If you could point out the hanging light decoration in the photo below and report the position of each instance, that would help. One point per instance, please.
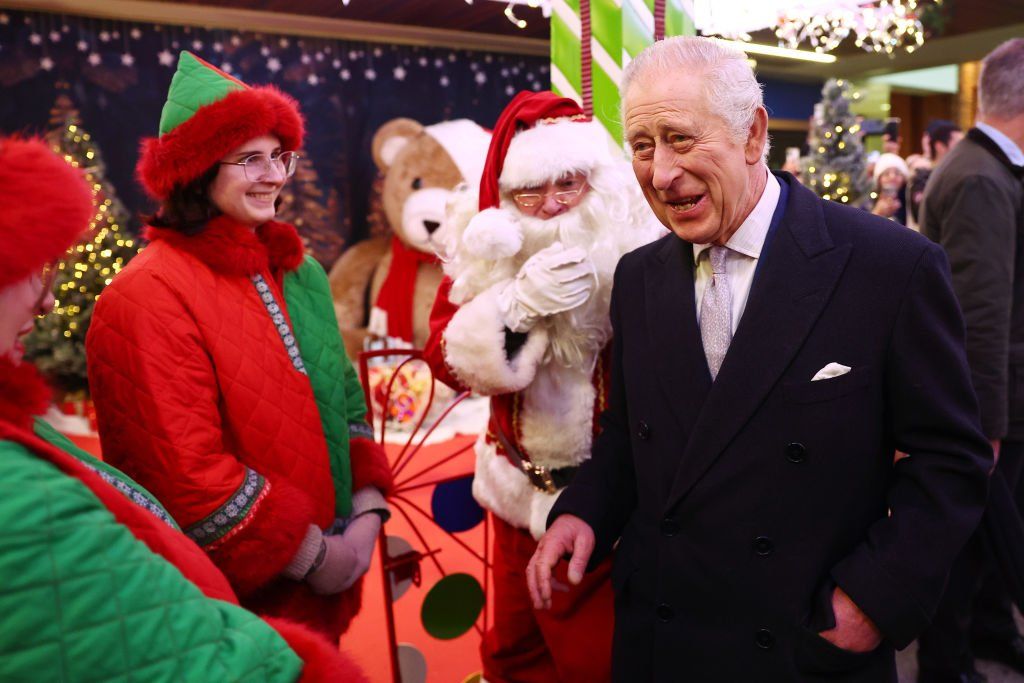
(885, 26)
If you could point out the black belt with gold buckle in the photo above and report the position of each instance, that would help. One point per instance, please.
(542, 478)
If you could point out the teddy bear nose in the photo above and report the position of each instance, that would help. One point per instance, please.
(431, 226)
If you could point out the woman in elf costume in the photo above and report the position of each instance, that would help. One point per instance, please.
(219, 377)
(98, 581)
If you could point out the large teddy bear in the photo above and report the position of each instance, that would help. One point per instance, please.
(385, 286)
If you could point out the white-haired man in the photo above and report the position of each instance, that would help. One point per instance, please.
(522, 316)
(974, 208)
(769, 358)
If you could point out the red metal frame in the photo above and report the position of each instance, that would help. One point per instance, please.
(400, 503)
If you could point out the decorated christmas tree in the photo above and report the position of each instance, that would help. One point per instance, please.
(834, 167)
(57, 345)
(304, 206)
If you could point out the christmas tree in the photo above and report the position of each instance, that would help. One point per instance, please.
(57, 345)
(303, 205)
(834, 168)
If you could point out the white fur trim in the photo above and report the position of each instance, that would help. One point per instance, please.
(475, 348)
(504, 490)
(557, 415)
(493, 234)
(466, 143)
(548, 151)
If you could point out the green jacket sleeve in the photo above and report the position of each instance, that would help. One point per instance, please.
(85, 600)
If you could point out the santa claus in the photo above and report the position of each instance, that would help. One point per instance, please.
(522, 316)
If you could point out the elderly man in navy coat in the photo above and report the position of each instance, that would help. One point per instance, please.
(770, 358)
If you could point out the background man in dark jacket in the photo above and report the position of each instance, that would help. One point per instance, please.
(974, 207)
(769, 358)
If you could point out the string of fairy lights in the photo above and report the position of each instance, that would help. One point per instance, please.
(96, 254)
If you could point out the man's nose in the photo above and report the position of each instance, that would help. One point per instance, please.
(665, 169)
(551, 207)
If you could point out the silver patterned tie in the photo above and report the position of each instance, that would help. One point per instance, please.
(716, 312)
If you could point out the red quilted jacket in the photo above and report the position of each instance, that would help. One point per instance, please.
(199, 399)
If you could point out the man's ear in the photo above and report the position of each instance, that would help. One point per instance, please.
(390, 138)
(757, 137)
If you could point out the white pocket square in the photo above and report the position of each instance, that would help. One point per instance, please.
(831, 370)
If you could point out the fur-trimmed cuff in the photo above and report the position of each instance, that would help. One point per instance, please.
(475, 348)
(264, 547)
(370, 466)
(321, 660)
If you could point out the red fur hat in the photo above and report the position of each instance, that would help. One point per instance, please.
(45, 206)
(209, 113)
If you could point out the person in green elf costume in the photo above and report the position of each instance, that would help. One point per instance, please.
(99, 582)
(216, 366)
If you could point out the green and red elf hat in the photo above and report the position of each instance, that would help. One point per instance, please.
(208, 113)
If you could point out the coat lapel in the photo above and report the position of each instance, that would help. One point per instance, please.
(672, 327)
(795, 281)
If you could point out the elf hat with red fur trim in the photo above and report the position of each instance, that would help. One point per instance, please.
(208, 113)
(46, 206)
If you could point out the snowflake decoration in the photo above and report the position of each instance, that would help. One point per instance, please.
(46, 64)
(481, 77)
(536, 85)
(236, 41)
(226, 67)
(529, 76)
(438, 63)
(82, 46)
(166, 57)
(175, 44)
(444, 81)
(135, 34)
(54, 36)
(265, 51)
(197, 44)
(488, 59)
(218, 47)
(451, 56)
(370, 75)
(273, 65)
(319, 56)
(543, 68)
(306, 59)
(510, 90)
(4, 19)
(283, 42)
(399, 73)
(65, 29)
(95, 59)
(35, 39)
(515, 71)
(377, 52)
(345, 75)
(504, 73)
(336, 63)
(313, 79)
(352, 54)
(423, 61)
(127, 59)
(115, 35)
(474, 66)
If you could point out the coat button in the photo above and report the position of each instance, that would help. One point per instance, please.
(664, 613)
(796, 453)
(764, 639)
(763, 546)
(669, 527)
(643, 431)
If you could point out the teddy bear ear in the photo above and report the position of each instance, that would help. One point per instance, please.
(390, 138)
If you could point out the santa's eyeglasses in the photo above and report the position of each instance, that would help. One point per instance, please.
(528, 200)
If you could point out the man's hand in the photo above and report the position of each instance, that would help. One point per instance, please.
(569, 534)
(886, 206)
(853, 631)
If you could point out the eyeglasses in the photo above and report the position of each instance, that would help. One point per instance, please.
(528, 200)
(258, 166)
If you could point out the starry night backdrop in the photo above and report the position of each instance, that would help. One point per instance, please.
(117, 74)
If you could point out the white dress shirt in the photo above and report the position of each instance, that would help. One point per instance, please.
(1009, 147)
(744, 252)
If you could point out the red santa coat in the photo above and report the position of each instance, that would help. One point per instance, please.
(199, 401)
(546, 410)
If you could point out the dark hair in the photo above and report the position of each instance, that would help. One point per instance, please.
(188, 208)
(892, 130)
(941, 132)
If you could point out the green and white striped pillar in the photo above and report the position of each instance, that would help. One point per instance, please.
(592, 40)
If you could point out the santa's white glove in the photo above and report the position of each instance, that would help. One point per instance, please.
(553, 280)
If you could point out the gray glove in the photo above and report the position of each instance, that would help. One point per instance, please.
(345, 557)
